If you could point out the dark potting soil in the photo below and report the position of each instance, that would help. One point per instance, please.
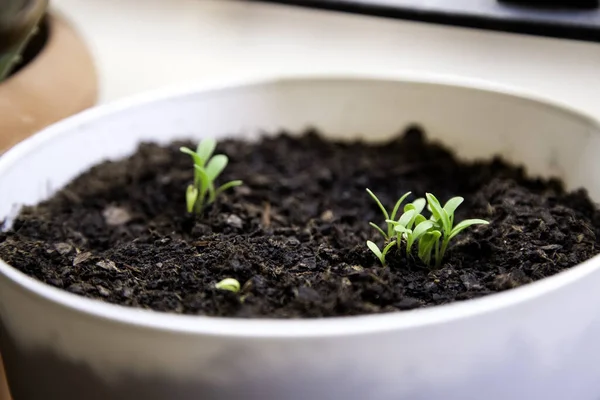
(294, 234)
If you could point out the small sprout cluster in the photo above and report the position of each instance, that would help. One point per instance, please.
(206, 169)
(432, 234)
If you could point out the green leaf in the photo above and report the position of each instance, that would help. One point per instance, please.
(215, 166)
(191, 195)
(203, 178)
(187, 150)
(426, 244)
(424, 249)
(401, 229)
(373, 247)
(439, 213)
(437, 224)
(383, 210)
(434, 205)
(387, 248)
(402, 233)
(419, 204)
(451, 206)
(419, 218)
(212, 194)
(398, 204)
(229, 284)
(419, 231)
(379, 230)
(407, 217)
(194, 156)
(228, 185)
(414, 216)
(465, 224)
(205, 186)
(422, 229)
(435, 237)
(205, 149)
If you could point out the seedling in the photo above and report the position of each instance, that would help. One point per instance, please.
(229, 284)
(380, 253)
(433, 235)
(413, 235)
(206, 169)
(428, 242)
(387, 216)
(443, 227)
(411, 217)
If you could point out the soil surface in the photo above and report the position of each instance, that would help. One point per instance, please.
(294, 234)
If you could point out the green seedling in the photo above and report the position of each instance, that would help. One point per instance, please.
(380, 253)
(433, 235)
(411, 218)
(443, 228)
(206, 169)
(387, 216)
(411, 236)
(229, 284)
(427, 243)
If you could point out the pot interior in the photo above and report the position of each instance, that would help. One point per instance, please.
(548, 140)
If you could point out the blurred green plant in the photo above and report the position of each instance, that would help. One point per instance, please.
(207, 167)
(19, 21)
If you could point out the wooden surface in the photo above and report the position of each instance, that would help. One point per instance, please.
(59, 82)
(4, 395)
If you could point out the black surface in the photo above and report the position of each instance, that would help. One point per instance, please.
(580, 20)
(582, 4)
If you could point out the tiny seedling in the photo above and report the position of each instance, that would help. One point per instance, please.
(206, 169)
(387, 216)
(229, 284)
(380, 253)
(443, 227)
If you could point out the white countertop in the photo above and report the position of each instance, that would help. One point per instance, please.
(145, 45)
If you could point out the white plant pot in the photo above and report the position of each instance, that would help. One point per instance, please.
(539, 341)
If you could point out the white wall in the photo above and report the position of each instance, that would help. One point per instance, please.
(146, 44)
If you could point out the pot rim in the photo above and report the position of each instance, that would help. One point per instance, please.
(284, 328)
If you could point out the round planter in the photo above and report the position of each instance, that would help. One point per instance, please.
(58, 82)
(535, 342)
